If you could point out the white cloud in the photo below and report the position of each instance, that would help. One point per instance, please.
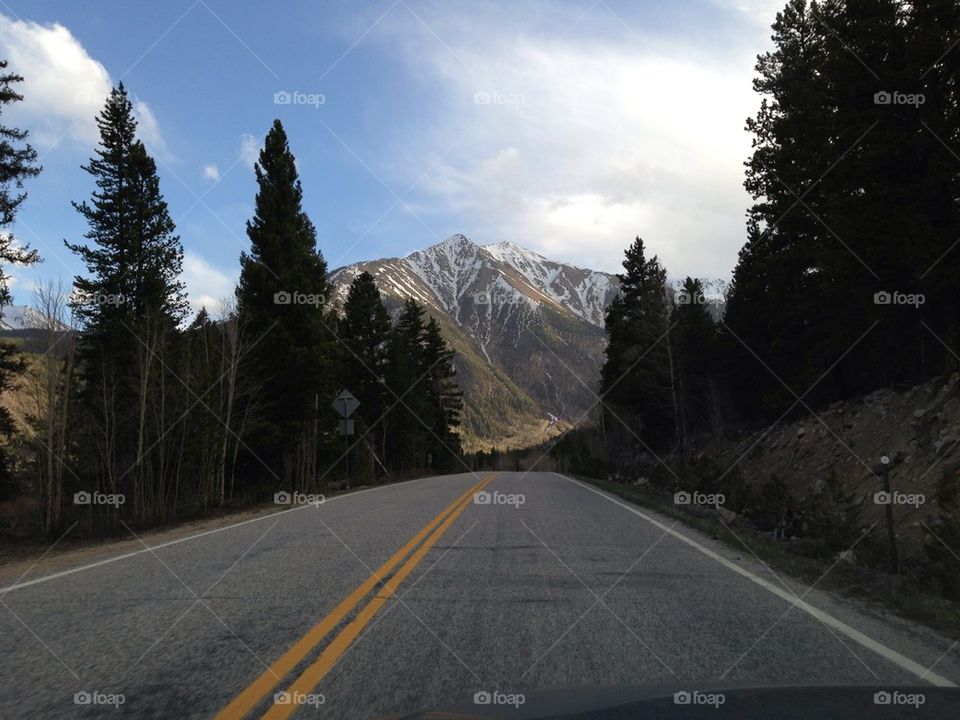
(148, 130)
(593, 141)
(249, 149)
(211, 172)
(763, 12)
(64, 87)
(206, 285)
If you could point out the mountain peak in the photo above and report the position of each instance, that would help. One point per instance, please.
(455, 243)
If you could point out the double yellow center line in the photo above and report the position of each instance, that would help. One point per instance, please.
(270, 678)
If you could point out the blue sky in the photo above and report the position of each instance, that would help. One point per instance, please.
(567, 126)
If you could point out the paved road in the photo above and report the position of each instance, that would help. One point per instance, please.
(571, 588)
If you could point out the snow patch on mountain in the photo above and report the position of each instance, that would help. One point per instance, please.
(24, 317)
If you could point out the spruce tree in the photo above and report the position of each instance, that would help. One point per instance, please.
(694, 339)
(281, 303)
(444, 398)
(635, 378)
(17, 163)
(364, 330)
(129, 306)
(406, 433)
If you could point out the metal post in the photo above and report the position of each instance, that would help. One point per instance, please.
(346, 441)
(891, 534)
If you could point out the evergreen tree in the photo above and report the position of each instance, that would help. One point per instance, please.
(444, 398)
(281, 302)
(792, 146)
(635, 379)
(694, 337)
(364, 330)
(407, 421)
(17, 163)
(129, 306)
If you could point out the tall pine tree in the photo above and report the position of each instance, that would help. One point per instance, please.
(444, 398)
(129, 307)
(364, 330)
(281, 303)
(17, 163)
(635, 379)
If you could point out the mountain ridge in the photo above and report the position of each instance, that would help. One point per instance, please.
(528, 330)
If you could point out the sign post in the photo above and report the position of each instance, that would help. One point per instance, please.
(888, 511)
(346, 404)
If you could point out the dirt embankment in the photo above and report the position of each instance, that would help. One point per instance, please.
(839, 450)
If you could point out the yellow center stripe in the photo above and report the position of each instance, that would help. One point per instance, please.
(328, 658)
(272, 676)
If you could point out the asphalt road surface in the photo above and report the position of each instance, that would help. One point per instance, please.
(415, 596)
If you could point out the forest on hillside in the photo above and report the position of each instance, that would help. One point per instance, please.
(144, 415)
(848, 279)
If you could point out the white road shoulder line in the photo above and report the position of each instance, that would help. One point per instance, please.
(205, 533)
(887, 653)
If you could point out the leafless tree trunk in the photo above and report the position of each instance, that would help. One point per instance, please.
(51, 380)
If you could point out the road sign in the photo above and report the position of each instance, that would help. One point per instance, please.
(345, 404)
(346, 427)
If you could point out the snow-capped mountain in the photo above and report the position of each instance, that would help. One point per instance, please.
(23, 317)
(528, 331)
(447, 274)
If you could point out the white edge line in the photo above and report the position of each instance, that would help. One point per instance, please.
(205, 533)
(888, 654)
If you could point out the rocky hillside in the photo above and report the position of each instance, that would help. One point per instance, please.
(836, 457)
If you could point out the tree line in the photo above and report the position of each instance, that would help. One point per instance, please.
(847, 281)
(141, 414)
